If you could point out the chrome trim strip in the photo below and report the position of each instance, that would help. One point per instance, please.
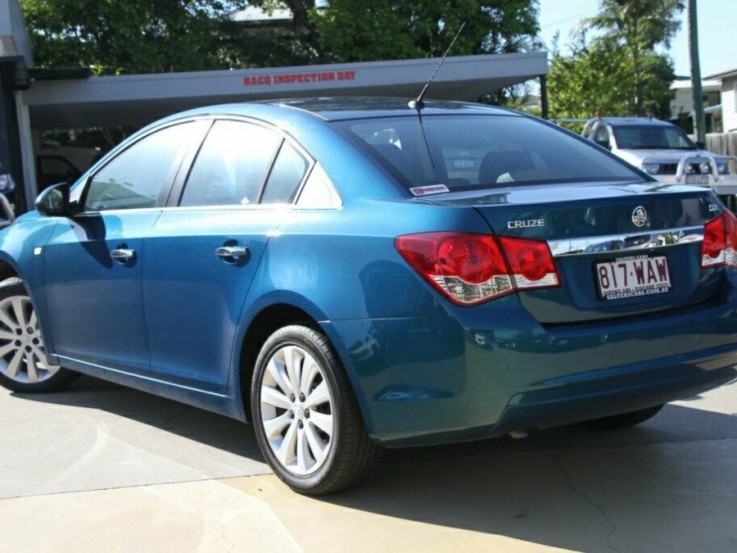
(626, 242)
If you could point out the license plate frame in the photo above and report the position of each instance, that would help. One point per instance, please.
(632, 277)
(697, 179)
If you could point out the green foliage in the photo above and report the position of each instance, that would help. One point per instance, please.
(149, 36)
(619, 72)
(272, 43)
(127, 36)
(638, 27)
(357, 30)
(580, 85)
(600, 78)
(638, 24)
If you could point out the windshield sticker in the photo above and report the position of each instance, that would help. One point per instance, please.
(427, 190)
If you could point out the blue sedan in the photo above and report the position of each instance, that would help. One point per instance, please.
(353, 274)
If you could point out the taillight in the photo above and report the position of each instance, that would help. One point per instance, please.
(531, 262)
(472, 268)
(720, 242)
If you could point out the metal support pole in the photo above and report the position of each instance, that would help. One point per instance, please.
(544, 95)
(698, 95)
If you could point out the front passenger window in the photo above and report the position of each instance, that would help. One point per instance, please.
(136, 176)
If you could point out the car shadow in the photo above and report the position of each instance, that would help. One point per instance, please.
(569, 487)
(675, 423)
(580, 489)
(195, 424)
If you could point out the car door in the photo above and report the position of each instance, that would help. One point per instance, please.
(201, 255)
(92, 262)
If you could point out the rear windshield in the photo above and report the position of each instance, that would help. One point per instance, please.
(467, 152)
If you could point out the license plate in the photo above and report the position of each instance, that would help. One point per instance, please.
(697, 179)
(629, 277)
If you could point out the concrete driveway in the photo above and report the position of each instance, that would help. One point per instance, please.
(104, 469)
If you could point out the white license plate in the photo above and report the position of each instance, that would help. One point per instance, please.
(697, 179)
(629, 277)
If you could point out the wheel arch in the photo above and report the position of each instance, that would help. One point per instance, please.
(268, 320)
(7, 270)
(264, 324)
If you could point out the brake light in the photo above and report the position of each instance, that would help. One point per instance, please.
(472, 268)
(720, 242)
(531, 263)
(730, 229)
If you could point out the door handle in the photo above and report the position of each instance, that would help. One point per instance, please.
(231, 253)
(123, 255)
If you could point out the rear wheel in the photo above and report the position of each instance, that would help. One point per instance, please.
(306, 417)
(23, 363)
(625, 420)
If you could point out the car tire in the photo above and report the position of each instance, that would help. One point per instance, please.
(307, 421)
(23, 364)
(625, 420)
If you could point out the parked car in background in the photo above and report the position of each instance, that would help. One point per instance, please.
(56, 163)
(7, 187)
(664, 151)
(351, 274)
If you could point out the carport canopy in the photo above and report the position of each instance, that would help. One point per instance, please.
(134, 100)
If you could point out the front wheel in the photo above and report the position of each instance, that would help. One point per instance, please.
(23, 364)
(306, 417)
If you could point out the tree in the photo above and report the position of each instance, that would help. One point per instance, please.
(148, 36)
(599, 77)
(638, 27)
(356, 30)
(272, 42)
(131, 36)
(580, 86)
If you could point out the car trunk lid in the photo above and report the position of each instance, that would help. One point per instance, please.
(627, 249)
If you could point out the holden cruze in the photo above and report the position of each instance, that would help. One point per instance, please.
(352, 274)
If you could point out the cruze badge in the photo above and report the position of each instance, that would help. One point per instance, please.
(527, 223)
(639, 216)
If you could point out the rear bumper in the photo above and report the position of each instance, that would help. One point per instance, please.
(463, 374)
(617, 392)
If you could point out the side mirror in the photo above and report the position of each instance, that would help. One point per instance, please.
(54, 201)
(604, 144)
(700, 145)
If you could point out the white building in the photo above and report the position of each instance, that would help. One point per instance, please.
(728, 80)
(681, 107)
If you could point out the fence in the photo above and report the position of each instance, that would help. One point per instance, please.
(722, 143)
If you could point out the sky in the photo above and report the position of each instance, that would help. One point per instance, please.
(716, 19)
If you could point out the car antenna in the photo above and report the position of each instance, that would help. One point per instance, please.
(417, 103)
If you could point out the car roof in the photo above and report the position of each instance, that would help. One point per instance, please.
(344, 108)
(635, 121)
(333, 109)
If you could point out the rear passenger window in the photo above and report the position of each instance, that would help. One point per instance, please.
(286, 176)
(318, 192)
(231, 165)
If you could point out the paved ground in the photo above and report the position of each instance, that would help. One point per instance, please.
(106, 469)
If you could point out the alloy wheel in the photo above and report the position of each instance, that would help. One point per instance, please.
(297, 410)
(22, 354)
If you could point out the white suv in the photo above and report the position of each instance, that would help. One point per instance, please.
(664, 151)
